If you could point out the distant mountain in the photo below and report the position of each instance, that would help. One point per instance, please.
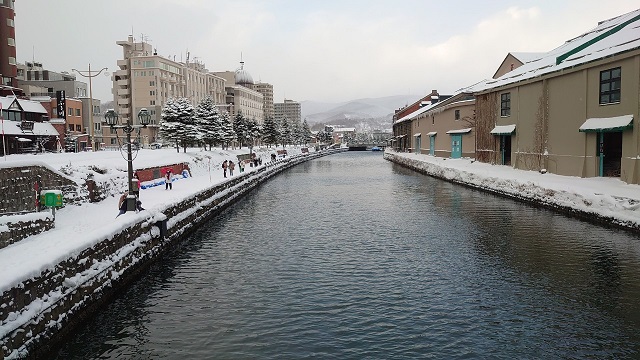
(363, 114)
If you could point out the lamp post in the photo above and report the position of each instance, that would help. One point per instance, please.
(144, 117)
(88, 74)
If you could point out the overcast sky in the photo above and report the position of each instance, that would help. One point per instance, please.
(321, 50)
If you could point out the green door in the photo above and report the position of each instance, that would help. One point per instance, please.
(456, 146)
(418, 142)
(432, 145)
(600, 154)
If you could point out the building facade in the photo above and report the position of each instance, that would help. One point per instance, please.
(573, 111)
(289, 109)
(35, 80)
(8, 64)
(266, 90)
(241, 97)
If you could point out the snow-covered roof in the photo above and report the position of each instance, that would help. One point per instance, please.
(39, 128)
(526, 57)
(344, 130)
(461, 131)
(503, 129)
(607, 124)
(415, 113)
(610, 37)
(26, 105)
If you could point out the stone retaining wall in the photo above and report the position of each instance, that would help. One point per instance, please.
(17, 187)
(37, 313)
(17, 227)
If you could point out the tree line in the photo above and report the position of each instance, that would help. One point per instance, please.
(205, 125)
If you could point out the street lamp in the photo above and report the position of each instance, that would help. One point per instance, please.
(91, 76)
(144, 117)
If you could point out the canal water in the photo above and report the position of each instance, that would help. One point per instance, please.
(353, 257)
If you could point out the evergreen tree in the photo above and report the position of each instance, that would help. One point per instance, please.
(178, 123)
(241, 129)
(306, 132)
(208, 122)
(296, 133)
(284, 132)
(226, 131)
(253, 132)
(270, 134)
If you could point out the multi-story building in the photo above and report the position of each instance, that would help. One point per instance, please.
(289, 109)
(147, 80)
(571, 111)
(35, 80)
(8, 69)
(241, 96)
(266, 90)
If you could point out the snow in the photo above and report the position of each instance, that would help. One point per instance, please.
(78, 227)
(503, 129)
(460, 131)
(595, 124)
(605, 197)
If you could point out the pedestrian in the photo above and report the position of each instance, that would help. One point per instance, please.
(232, 166)
(224, 168)
(273, 157)
(168, 180)
(254, 159)
(241, 166)
(137, 189)
(122, 204)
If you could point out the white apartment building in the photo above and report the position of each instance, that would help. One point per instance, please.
(145, 79)
(289, 109)
(266, 90)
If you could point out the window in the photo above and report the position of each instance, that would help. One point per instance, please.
(152, 92)
(113, 141)
(12, 60)
(10, 23)
(70, 127)
(70, 112)
(505, 104)
(77, 112)
(152, 83)
(610, 81)
(11, 42)
(457, 115)
(78, 128)
(152, 102)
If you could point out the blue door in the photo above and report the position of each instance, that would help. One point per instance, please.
(456, 146)
(432, 145)
(418, 144)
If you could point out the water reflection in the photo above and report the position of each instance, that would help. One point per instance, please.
(353, 257)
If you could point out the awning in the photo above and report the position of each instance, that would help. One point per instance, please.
(461, 131)
(433, 133)
(417, 134)
(503, 130)
(617, 123)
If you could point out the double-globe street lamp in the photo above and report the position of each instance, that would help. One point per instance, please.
(144, 117)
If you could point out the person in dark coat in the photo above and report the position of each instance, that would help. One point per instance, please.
(224, 168)
(232, 166)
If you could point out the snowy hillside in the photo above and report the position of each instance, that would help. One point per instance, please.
(360, 110)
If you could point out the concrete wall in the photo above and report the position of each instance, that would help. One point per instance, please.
(41, 310)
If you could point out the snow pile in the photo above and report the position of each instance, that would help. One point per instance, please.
(607, 198)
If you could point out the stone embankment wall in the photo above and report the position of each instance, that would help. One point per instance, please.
(17, 187)
(17, 227)
(442, 173)
(38, 312)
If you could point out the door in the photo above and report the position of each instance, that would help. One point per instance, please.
(609, 153)
(456, 146)
(432, 145)
(418, 142)
(505, 149)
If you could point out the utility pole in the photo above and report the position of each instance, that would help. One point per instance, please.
(88, 74)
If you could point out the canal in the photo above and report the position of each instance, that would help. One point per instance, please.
(352, 257)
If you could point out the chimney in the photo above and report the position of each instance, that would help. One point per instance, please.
(434, 96)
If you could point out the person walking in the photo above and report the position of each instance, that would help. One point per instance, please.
(232, 166)
(168, 180)
(224, 168)
(241, 166)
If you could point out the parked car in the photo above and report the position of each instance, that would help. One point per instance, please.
(155, 145)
